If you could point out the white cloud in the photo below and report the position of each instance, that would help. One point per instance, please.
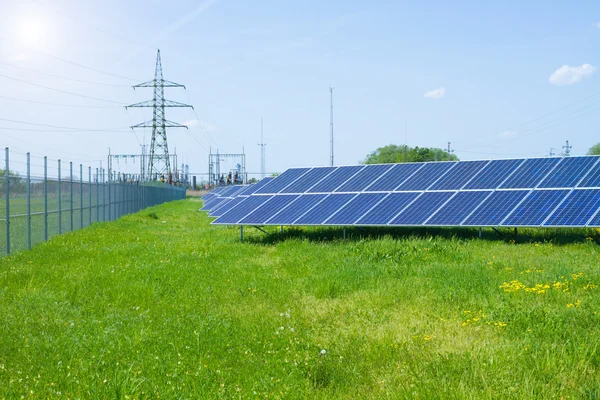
(597, 25)
(567, 75)
(435, 93)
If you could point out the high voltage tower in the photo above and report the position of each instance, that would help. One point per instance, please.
(159, 164)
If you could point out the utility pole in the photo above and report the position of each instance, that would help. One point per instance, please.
(567, 149)
(331, 125)
(158, 161)
(262, 145)
(449, 151)
(552, 154)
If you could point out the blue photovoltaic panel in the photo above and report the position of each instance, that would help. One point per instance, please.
(231, 191)
(530, 173)
(493, 174)
(595, 222)
(253, 188)
(426, 176)
(459, 175)
(458, 208)
(275, 185)
(569, 172)
(308, 180)
(318, 214)
(577, 209)
(394, 177)
(495, 208)
(535, 208)
(355, 209)
(289, 214)
(383, 212)
(209, 204)
(364, 178)
(335, 179)
(272, 207)
(421, 208)
(225, 206)
(593, 178)
(244, 208)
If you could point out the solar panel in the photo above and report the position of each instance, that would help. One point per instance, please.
(364, 178)
(530, 173)
(456, 178)
(262, 214)
(495, 208)
(335, 179)
(427, 175)
(319, 213)
(308, 180)
(569, 172)
(458, 208)
(577, 209)
(520, 192)
(275, 185)
(394, 177)
(297, 208)
(355, 209)
(225, 206)
(421, 208)
(253, 188)
(245, 207)
(535, 208)
(387, 209)
(593, 177)
(493, 174)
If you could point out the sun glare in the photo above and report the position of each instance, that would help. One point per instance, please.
(32, 31)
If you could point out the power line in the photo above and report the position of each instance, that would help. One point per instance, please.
(62, 77)
(63, 127)
(60, 90)
(74, 63)
(54, 104)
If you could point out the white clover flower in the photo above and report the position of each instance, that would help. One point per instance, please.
(323, 352)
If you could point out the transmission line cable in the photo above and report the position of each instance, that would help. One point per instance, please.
(54, 104)
(62, 77)
(74, 63)
(62, 127)
(60, 90)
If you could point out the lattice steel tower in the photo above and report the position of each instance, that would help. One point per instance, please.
(158, 159)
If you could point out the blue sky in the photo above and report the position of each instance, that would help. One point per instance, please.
(498, 80)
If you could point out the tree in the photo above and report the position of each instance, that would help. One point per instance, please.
(392, 154)
(594, 150)
(17, 185)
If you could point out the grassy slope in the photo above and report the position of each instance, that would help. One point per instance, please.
(172, 307)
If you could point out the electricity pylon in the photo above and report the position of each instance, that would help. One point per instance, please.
(158, 160)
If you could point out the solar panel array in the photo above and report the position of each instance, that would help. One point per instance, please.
(535, 192)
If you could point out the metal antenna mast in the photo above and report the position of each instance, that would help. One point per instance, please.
(331, 125)
(262, 145)
(449, 150)
(158, 160)
(567, 149)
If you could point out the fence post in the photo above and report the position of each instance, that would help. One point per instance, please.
(97, 196)
(59, 201)
(90, 192)
(103, 197)
(71, 193)
(45, 198)
(80, 196)
(109, 198)
(6, 194)
(28, 201)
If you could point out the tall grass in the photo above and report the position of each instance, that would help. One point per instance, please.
(161, 304)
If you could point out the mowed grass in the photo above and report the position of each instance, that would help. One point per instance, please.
(161, 304)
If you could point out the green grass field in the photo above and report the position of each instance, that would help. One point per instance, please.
(160, 304)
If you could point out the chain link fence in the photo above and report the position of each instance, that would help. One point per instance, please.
(42, 197)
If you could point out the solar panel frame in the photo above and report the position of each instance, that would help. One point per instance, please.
(500, 203)
(439, 217)
(302, 184)
(226, 207)
(390, 205)
(382, 184)
(282, 181)
(568, 173)
(365, 177)
(263, 213)
(592, 179)
(413, 214)
(498, 175)
(246, 206)
(315, 216)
